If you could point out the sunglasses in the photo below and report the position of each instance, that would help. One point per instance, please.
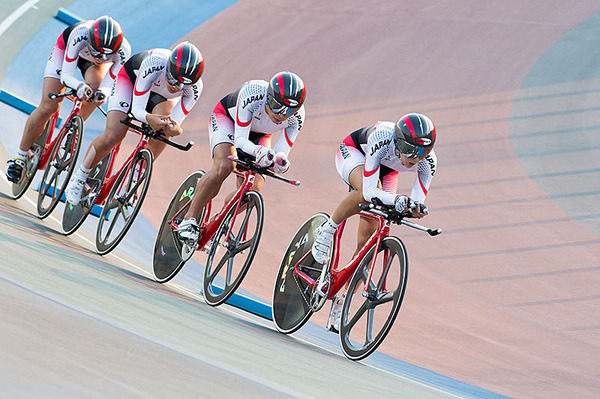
(278, 108)
(410, 150)
(175, 83)
(98, 54)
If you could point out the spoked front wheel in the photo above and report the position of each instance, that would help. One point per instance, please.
(292, 295)
(31, 164)
(233, 248)
(60, 167)
(124, 202)
(367, 316)
(170, 253)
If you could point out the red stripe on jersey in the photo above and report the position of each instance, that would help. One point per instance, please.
(371, 173)
(111, 74)
(406, 120)
(242, 124)
(71, 59)
(290, 142)
(422, 186)
(140, 93)
(185, 111)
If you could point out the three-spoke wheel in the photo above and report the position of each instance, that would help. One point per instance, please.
(124, 202)
(233, 248)
(368, 314)
(60, 167)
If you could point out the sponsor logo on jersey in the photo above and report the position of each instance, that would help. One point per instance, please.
(79, 39)
(124, 104)
(196, 92)
(344, 151)
(429, 159)
(251, 99)
(213, 122)
(379, 145)
(152, 70)
(299, 119)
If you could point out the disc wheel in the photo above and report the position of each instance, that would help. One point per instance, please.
(367, 317)
(60, 167)
(292, 295)
(233, 248)
(124, 202)
(170, 253)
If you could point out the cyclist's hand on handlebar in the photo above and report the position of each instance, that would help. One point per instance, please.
(172, 128)
(402, 203)
(418, 210)
(84, 92)
(282, 164)
(99, 97)
(264, 156)
(157, 121)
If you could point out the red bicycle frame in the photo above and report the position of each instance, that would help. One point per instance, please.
(341, 276)
(209, 227)
(50, 143)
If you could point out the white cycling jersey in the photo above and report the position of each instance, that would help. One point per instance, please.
(241, 119)
(146, 73)
(373, 148)
(73, 45)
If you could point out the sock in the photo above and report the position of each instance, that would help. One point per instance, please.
(82, 173)
(21, 154)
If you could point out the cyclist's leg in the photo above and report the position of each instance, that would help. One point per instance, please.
(34, 127)
(93, 75)
(103, 144)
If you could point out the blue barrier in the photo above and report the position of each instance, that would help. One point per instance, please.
(67, 16)
(20, 103)
(96, 210)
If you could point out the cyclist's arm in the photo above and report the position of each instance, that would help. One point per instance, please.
(141, 90)
(287, 137)
(77, 40)
(243, 121)
(425, 172)
(376, 147)
(188, 99)
(118, 60)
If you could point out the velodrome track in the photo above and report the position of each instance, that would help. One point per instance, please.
(505, 300)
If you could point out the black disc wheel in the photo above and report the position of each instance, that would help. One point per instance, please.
(368, 314)
(60, 167)
(170, 252)
(292, 295)
(233, 248)
(124, 202)
(31, 164)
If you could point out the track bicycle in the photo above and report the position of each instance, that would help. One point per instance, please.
(377, 281)
(231, 237)
(55, 154)
(121, 192)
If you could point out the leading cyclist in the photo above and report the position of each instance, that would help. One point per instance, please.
(369, 160)
(99, 50)
(246, 119)
(159, 87)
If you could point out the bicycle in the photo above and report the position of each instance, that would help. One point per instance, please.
(380, 284)
(53, 153)
(236, 228)
(122, 191)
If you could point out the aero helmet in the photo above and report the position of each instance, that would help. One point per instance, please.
(415, 134)
(186, 65)
(286, 93)
(105, 37)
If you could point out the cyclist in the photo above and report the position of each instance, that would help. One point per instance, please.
(99, 50)
(246, 120)
(369, 161)
(159, 87)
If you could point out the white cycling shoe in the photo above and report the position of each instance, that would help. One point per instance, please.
(322, 245)
(74, 190)
(189, 230)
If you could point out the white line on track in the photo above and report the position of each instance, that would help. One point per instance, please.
(17, 14)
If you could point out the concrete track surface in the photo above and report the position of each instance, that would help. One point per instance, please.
(505, 299)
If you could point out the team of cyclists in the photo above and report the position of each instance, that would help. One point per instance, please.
(160, 87)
